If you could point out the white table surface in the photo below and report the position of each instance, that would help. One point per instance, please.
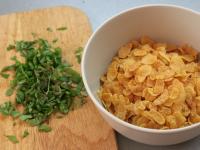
(98, 11)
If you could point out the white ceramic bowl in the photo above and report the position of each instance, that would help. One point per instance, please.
(165, 23)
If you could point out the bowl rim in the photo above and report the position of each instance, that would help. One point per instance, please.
(95, 101)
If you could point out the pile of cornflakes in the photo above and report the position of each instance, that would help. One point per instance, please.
(153, 85)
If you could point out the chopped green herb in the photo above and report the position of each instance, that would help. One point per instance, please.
(55, 40)
(9, 91)
(78, 54)
(34, 122)
(49, 29)
(25, 117)
(61, 28)
(43, 83)
(25, 134)
(15, 113)
(12, 138)
(9, 68)
(7, 108)
(5, 75)
(44, 128)
(10, 47)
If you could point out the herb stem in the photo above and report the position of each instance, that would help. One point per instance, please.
(48, 84)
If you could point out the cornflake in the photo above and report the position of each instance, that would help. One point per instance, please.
(153, 85)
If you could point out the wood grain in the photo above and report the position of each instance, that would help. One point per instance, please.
(81, 129)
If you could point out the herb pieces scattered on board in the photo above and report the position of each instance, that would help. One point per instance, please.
(43, 82)
(25, 134)
(55, 40)
(44, 128)
(61, 28)
(78, 54)
(12, 138)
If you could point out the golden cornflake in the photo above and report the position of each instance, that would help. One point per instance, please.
(153, 85)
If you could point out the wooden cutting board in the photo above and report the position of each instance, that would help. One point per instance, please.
(81, 129)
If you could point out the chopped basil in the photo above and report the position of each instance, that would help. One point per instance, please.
(55, 40)
(25, 134)
(5, 75)
(25, 117)
(12, 138)
(9, 91)
(44, 128)
(7, 108)
(15, 113)
(10, 47)
(61, 28)
(78, 54)
(44, 84)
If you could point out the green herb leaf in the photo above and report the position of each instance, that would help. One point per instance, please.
(5, 75)
(9, 92)
(34, 122)
(25, 134)
(10, 47)
(49, 29)
(75, 76)
(8, 68)
(7, 108)
(15, 113)
(12, 138)
(78, 54)
(44, 128)
(25, 117)
(54, 40)
(61, 28)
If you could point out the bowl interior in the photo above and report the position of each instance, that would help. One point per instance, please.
(162, 23)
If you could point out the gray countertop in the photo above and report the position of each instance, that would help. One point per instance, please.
(98, 11)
